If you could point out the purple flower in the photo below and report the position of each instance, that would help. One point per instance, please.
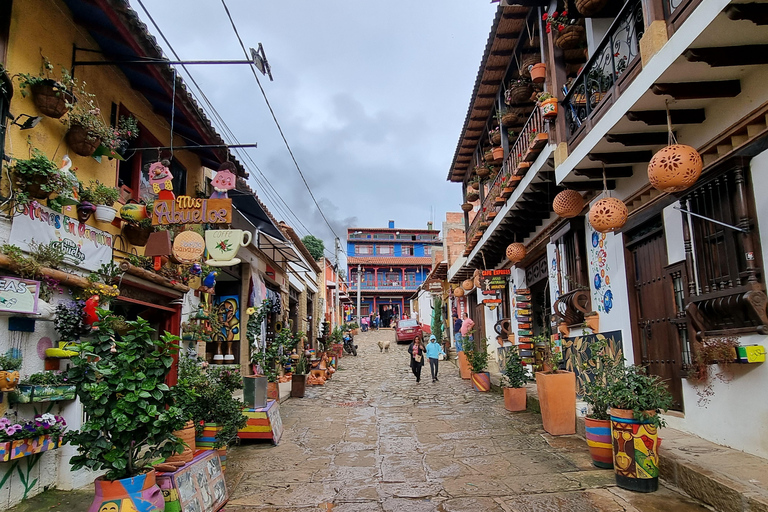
(4, 422)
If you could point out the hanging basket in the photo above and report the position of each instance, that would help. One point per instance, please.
(530, 60)
(520, 93)
(495, 138)
(549, 108)
(516, 252)
(467, 285)
(674, 168)
(483, 171)
(608, 214)
(51, 98)
(475, 185)
(571, 37)
(137, 235)
(80, 141)
(588, 8)
(568, 204)
(510, 119)
(538, 73)
(458, 291)
(34, 188)
(467, 207)
(472, 196)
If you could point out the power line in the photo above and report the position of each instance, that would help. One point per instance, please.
(277, 123)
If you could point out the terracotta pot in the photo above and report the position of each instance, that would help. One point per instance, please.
(464, 370)
(557, 398)
(598, 434)
(51, 98)
(481, 381)
(298, 385)
(187, 434)
(549, 108)
(674, 168)
(635, 451)
(8, 380)
(498, 153)
(80, 141)
(273, 391)
(539, 73)
(138, 493)
(514, 399)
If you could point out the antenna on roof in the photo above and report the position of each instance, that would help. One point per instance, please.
(261, 63)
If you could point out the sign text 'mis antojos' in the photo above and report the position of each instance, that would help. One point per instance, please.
(192, 210)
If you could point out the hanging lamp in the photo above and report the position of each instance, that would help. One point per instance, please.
(675, 167)
(568, 204)
(608, 214)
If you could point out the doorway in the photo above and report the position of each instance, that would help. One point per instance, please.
(656, 344)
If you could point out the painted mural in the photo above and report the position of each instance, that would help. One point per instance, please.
(577, 352)
(599, 247)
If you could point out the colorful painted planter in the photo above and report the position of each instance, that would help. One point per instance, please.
(207, 439)
(19, 448)
(464, 370)
(635, 452)
(481, 381)
(140, 493)
(514, 399)
(30, 394)
(187, 434)
(598, 433)
(557, 398)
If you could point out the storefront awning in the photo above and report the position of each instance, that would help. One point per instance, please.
(279, 251)
(250, 208)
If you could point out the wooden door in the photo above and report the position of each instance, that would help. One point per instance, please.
(652, 307)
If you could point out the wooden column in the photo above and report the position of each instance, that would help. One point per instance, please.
(742, 217)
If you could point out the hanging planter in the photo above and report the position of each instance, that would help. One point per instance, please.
(51, 98)
(568, 204)
(608, 214)
(495, 137)
(548, 108)
(135, 234)
(674, 168)
(105, 213)
(475, 185)
(571, 37)
(509, 119)
(467, 207)
(588, 8)
(529, 61)
(498, 154)
(516, 252)
(538, 73)
(472, 196)
(519, 93)
(81, 141)
(482, 171)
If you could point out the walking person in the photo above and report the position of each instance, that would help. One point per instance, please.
(416, 349)
(457, 332)
(433, 354)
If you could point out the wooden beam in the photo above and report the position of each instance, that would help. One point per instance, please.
(610, 172)
(639, 139)
(721, 56)
(755, 12)
(659, 117)
(698, 90)
(626, 157)
(507, 35)
(503, 53)
(495, 68)
(589, 185)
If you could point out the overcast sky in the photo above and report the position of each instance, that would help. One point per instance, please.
(371, 96)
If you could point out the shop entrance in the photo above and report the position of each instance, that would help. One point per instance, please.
(388, 313)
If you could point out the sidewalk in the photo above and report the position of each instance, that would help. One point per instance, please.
(726, 479)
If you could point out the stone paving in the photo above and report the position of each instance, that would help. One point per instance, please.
(372, 439)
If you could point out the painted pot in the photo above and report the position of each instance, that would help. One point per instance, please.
(136, 493)
(598, 433)
(8, 380)
(514, 399)
(481, 381)
(635, 452)
(19, 448)
(464, 369)
(187, 434)
(549, 108)
(273, 391)
(105, 213)
(40, 393)
(557, 398)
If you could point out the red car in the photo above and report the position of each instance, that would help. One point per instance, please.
(407, 330)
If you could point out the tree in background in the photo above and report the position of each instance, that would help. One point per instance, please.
(314, 245)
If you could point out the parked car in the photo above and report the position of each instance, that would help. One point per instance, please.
(407, 330)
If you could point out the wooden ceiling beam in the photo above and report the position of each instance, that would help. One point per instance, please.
(582, 186)
(698, 90)
(625, 157)
(755, 12)
(639, 139)
(722, 56)
(610, 172)
(659, 117)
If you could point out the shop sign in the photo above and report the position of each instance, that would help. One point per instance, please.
(84, 246)
(499, 272)
(18, 295)
(192, 210)
(435, 286)
(188, 247)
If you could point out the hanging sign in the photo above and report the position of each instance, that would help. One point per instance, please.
(19, 295)
(434, 286)
(188, 247)
(192, 210)
(84, 246)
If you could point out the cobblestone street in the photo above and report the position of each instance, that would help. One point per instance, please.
(372, 439)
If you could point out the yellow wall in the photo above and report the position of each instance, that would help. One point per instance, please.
(46, 27)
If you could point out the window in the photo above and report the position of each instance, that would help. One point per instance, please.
(383, 250)
(410, 277)
(358, 235)
(405, 237)
(426, 237)
(573, 300)
(384, 236)
(363, 249)
(407, 250)
(427, 250)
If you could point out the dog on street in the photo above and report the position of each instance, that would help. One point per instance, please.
(383, 345)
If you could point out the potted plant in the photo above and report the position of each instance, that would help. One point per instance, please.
(513, 378)
(9, 372)
(51, 97)
(636, 401)
(518, 91)
(27, 437)
(547, 104)
(137, 232)
(482, 170)
(131, 415)
(103, 197)
(570, 33)
(46, 386)
(38, 178)
(115, 139)
(598, 374)
(556, 389)
(299, 377)
(70, 323)
(472, 196)
(538, 73)
(477, 356)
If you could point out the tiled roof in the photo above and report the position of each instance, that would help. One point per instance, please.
(389, 260)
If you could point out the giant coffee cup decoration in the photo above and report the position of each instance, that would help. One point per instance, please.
(223, 244)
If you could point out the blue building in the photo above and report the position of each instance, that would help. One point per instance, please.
(390, 263)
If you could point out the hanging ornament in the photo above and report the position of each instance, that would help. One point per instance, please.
(568, 203)
(516, 252)
(476, 277)
(674, 168)
(468, 285)
(161, 179)
(608, 214)
(458, 291)
(224, 181)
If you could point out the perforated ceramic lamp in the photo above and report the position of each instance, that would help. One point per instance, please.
(674, 168)
(468, 285)
(458, 291)
(568, 204)
(608, 214)
(516, 252)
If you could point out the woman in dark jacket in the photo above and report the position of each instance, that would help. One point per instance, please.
(416, 350)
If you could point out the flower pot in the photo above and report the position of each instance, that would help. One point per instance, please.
(598, 433)
(510, 119)
(39, 393)
(588, 8)
(8, 380)
(474, 185)
(549, 108)
(137, 493)
(223, 458)
(464, 369)
(81, 141)
(498, 153)
(137, 235)
(207, 438)
(34, 188)
(105, 213)
(337, 349)
(298, 385)
(557, 398)
(51, 98)
(483, 171)
(514, 399)
(187, 434)
(467, 207)
(495, 138)
(571, 37)
(472, 196)
(19, 448)
(635, 452)
(481, 381)
(529, 60)
(273, 391)
(538, 73)
(520, 93)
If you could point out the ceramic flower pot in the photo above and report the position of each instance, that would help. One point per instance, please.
(635, 451)
(136, 493)
(105, 213)
(84, 211)
(481, 381)
(538, 72)
(549, 108)
(298, 385)
(187, 434)
(464, 369)
(223, 244)
(598, 433)
(557, 398)
(514, 399)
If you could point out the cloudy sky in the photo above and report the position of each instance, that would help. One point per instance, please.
(371, 97)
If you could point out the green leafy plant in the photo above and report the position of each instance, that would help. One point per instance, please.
(10, 363)
(514, 374)
(600, 372)
(645, 395)
(99, 194)
(477, 356)
(314, 245)
(46, 378)
(551, 356)
(131, 413)
(437, 318)
(70, 320)
(49, 255)
(302, 365)
(106, 273)
(28, 80)
(38, 176)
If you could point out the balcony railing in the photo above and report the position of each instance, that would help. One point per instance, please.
(529, 142)
(384, 285)
(612, 58)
